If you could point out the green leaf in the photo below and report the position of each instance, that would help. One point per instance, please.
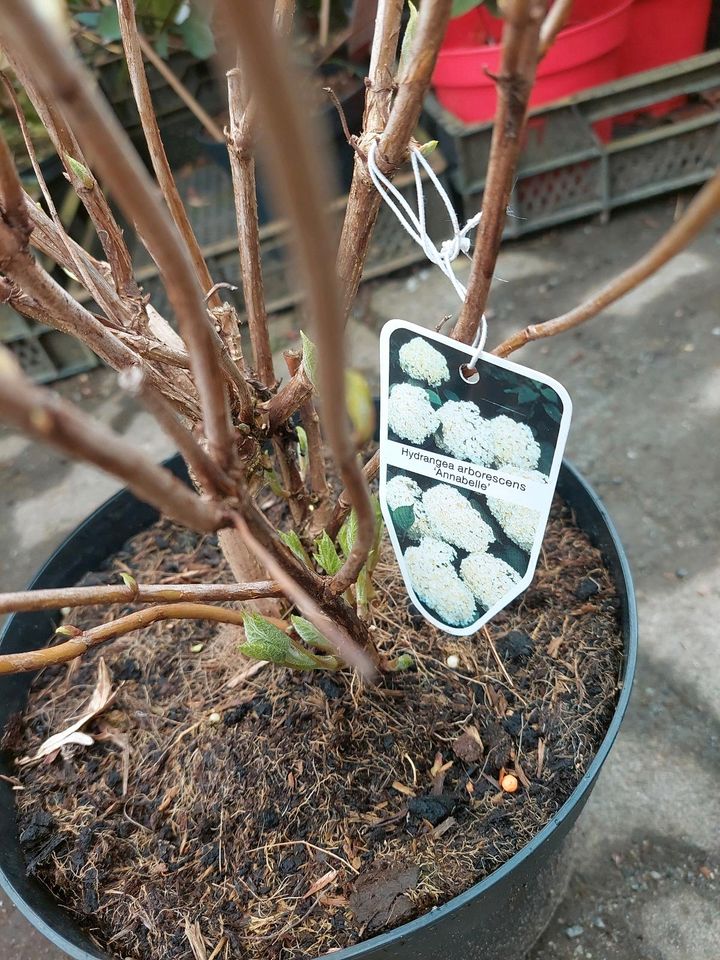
(302, 441)
(360, 406)
(450, 395)
(80, 171)
(302, 452)
(347, 535)
(459, 7)
(434, 398)
(157, 10)
(427, 148)
(303, 660)
(108, 24)
(407, 43)
(265, 641)
(403, 518)
(362, 589)
(88, 18)
(129, 581)
(310, 633)
(327, 556)
(294, 543)
(379, 519)
(549, 393)
(553, 412)
(273, 481)
(527, 394)
(404, 662)
(162, 45)
(197, 35)
(309, 359)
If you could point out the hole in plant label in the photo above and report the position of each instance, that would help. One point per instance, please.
(469, 374)
(468, 467)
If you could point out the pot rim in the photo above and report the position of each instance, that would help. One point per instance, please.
(437, 914)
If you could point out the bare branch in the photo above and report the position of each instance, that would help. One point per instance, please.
(283, 14)
(414, 82)
(242, 168)
(298, 178)
(102, 291)
(287, 459)
(343, 505)
(340, 112)
(181, 90)
(64, 313)
(92, 198)
(55, 243)
(12, 196)
(381, 72)
(289, 398)
(49, 237)
(398, 125)
(78, 645)
(34, 293)
(203, 468)
(324, 26)
(520, 39)
(156, 345)
(245, 566)
(555, 19)
(62, 597)
(291, 480)
(317, 471)
(704, 207)
(72, 86)
(158, 157)
(46, 417)
(239, 137)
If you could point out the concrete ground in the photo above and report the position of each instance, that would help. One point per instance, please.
(645, 383)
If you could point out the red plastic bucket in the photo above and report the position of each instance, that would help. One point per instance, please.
(663, 31)
(585, 53)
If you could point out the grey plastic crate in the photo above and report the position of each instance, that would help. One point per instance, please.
(578, 161)
(213, 217)
(43, 354)
(675, 156)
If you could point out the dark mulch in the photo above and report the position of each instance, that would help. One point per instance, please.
(281, 815)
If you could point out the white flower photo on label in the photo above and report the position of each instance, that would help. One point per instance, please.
(437, 584)
(488, 577)
(420, 361)
(467, 473)
(464, 434)
(402, 491)
(447, 536)
(410, 414)
(447, 514)
(513, 444)
(519, 523)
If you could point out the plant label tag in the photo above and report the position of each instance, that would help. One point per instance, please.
(468, 467)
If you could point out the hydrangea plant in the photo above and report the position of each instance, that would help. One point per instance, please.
(305, 587)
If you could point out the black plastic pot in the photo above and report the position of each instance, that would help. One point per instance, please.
(501, 917)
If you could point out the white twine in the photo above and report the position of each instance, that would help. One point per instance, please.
(414, 225)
